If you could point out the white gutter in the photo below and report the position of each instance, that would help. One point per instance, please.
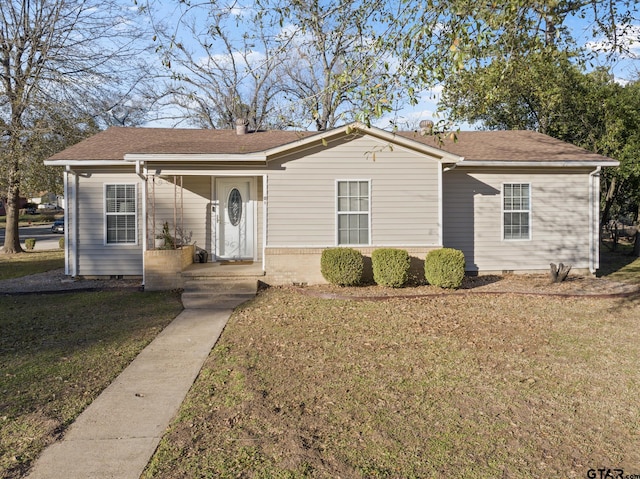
(546, 164)
(144, 215)
(84, 163)
(196, 157)
(594, 220)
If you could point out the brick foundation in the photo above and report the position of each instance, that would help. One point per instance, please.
(302, 265)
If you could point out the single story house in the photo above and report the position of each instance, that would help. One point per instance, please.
(512, 201)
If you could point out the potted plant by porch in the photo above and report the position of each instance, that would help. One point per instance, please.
(165, 240)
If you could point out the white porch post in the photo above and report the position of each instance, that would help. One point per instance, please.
(265, 186)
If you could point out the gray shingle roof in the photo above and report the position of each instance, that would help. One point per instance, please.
(508, 145)
(514, 146)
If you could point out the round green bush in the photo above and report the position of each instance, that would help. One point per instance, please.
(61, 243)
(390, 267)
(342, 266)
(444, 267)
(30, 243)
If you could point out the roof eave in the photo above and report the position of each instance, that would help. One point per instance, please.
(539, 164)
(85, 163)
(197, 157)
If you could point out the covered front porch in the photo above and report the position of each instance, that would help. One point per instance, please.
(221, 214)
(217, 219)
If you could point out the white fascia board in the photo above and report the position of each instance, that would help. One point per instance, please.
(544, 164)
(196, 157)
(85, 163)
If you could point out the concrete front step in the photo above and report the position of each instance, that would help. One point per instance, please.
(221, 285)
(210, 271)
(221, 293)
(205, 301)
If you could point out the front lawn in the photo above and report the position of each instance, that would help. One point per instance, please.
(58, 352)
(30, 262)
(453, 386)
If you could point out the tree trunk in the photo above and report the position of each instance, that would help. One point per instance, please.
(636, 243)
(612, 193)
(559, 273)
(12, 233)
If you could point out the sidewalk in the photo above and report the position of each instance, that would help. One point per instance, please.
(118, 433)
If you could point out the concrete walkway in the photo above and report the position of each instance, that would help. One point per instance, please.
(118, 433)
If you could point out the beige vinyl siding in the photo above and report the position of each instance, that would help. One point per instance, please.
(403, 195)
(559, 219)
(95, 258)
(192, 212)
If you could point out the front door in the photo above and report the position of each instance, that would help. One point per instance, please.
(234, 219)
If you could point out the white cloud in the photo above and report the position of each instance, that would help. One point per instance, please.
(628, 37)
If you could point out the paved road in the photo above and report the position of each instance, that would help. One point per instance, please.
(45, 239)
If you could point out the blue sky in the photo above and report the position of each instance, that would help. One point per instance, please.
(624, 68)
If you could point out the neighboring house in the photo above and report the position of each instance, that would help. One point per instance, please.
(510, 200)
(47, 198)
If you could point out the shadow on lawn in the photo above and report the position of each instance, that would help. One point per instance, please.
(619, 261)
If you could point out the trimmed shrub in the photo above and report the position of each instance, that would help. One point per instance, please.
(444, 267)
(61, 243)
(390, 267)
(30, 243)
(342, 266)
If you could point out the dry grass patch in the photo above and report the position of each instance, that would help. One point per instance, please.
(456, 385)
(58, 352)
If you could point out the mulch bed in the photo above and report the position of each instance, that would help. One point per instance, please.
(525, 284)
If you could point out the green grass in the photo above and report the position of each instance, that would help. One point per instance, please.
(619, 265)
(58, 352)
(627, 270)
(453, 386)
(465, 386)
(29, 262)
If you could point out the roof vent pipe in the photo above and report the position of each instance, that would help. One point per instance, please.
(426, 127)
(241, 126)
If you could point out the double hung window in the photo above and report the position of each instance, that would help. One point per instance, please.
(353, 212)
(516, 211)
(120, 213)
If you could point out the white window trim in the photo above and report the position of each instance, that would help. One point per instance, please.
(338, 213)
(105, 214)
(503, 211)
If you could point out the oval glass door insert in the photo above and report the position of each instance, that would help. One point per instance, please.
(234, 206)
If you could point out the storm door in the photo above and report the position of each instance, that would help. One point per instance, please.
(235, 236)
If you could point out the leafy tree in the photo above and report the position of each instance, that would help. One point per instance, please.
(524, 93)
(465, 35)
(57, 56)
